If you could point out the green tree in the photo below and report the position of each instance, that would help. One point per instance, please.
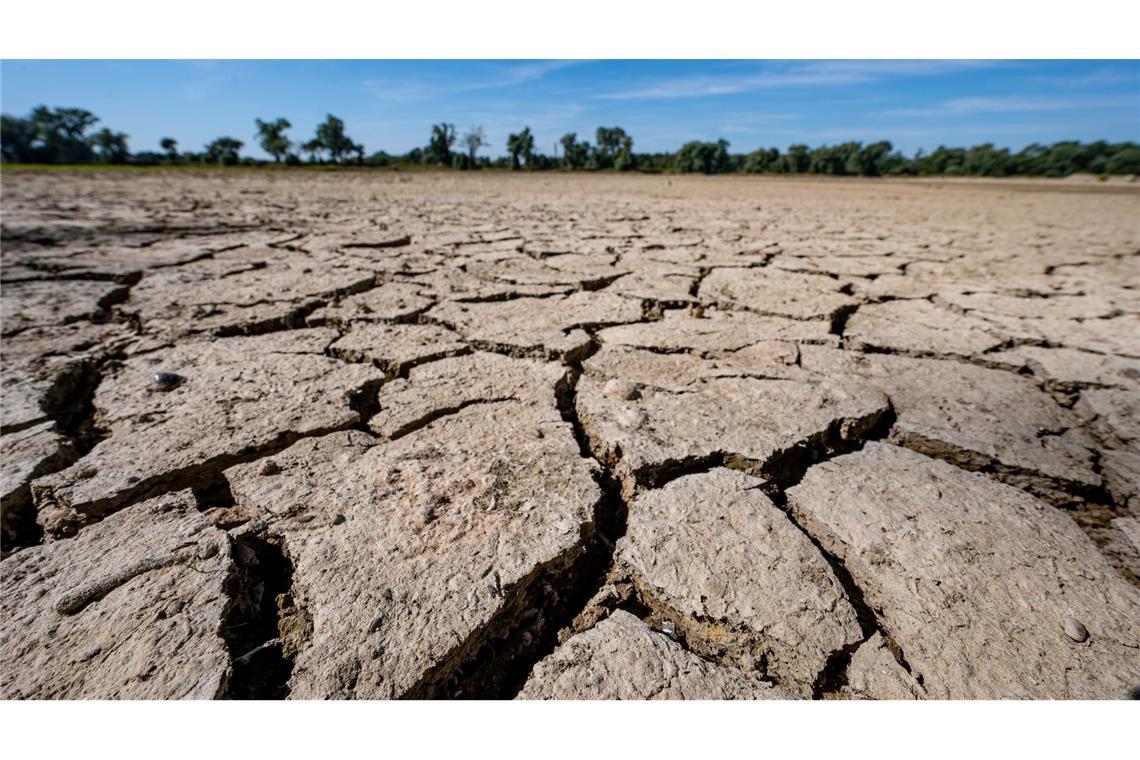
(762, 160)
(1032, 160)
(613, 149)
(704, 157)
(898, 164)
(224, 151)
(1063, 159)
(271, 137)
(313, 148)
(170, 145)
(521, 144)
(870, 160)
(575, 155)
(379, 158)
(16, 139)
(827, 159)
(61, 134)
(798, 159)
(624, 158)
(1124, 161)
(986, 161)
(1094, 157)
(332, 138)
(439, 147)
(112, 146)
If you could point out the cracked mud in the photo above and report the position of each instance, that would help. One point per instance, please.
(364, 435)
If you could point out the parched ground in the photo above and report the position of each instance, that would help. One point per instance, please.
(370, 435)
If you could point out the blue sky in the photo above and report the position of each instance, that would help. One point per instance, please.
(391, 105)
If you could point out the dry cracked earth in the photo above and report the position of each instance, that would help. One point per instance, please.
(365, 435)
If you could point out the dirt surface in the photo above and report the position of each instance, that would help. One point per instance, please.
(374, 435)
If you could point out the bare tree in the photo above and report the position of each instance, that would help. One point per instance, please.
(474, 139)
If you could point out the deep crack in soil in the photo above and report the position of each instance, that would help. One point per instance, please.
(263, 627)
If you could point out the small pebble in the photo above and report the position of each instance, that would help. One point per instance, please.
(269, 467)
(1074, 630)
(167, 381)
(668, 628)
(338, 519)
(620, 389)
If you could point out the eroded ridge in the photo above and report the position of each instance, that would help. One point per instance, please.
(378, 436)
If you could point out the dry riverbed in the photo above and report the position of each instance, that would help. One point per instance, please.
(375, 435)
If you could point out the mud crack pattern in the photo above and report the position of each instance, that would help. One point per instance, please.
(492, 436)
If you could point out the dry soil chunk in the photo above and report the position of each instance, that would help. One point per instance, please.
(452, 283)
(745, 584)
(444, 387)
(56, 302)
(1129, 527)
(124, 259)
(681, 372)
(1121, 469)
(1114, 335)
(975, 417)
(396, 347)
(130, 609)
(1113, 413)
(763, 424)
(410, 556)
(717, 331)
(874, 673)
(655, 281)
(621, 658)
(920, 327)
(776, 291)
(25, 455)
(46, 371)
(1056, 306)
(236, 396)
(843, 265)
(33, 390)
(391, 301)
(548, 327)
(571, 270)
(246, 295)
(1069, 368)
(977, 582)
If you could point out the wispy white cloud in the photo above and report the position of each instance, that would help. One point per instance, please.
(1100, 78)
(696, 87)
(807, 74)
(494, 76)
(521, 73)
(966, 106)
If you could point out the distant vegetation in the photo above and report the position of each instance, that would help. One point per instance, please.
(68, 136)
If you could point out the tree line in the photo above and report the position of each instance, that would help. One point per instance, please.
(68, 136)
